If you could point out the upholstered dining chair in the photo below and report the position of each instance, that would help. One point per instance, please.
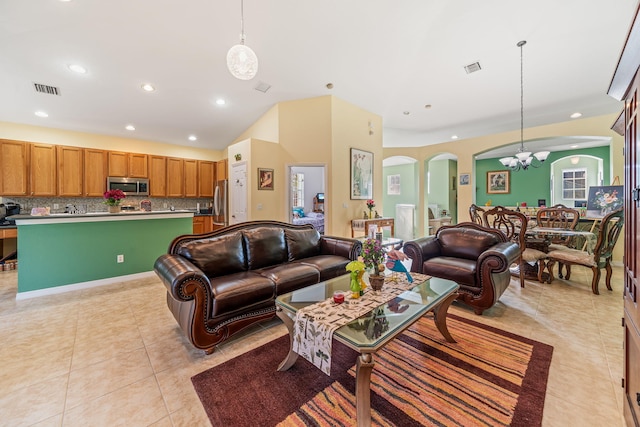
(558, 216)
(514, 226)
(600, 258)
(475, 213)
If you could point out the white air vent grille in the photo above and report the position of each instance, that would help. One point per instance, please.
(472, 68)
(263, 87)
(51, 90)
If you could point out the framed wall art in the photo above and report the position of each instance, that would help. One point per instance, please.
(265, 179)
(465, 178)
(498, 182)
(361, 174)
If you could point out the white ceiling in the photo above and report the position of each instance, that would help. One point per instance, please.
(386, 57)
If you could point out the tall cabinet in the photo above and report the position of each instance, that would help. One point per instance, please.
(625, 85)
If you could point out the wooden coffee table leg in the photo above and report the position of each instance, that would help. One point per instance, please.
(292, 356)
(440, 316)
(364, 366)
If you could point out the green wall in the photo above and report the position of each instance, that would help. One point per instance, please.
(408, 186)
(69, 253)
(533, 184)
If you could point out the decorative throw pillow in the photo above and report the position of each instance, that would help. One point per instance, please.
(298, 212)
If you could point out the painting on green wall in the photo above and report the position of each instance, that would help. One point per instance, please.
(498, 182)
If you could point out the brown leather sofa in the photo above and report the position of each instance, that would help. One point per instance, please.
(221, 282)
(475, 257)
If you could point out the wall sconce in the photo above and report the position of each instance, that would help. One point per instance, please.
(370, 128)
(238, 157)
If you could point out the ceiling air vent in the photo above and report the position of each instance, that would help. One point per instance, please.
(263, 87)
(472, 68)
(51, 90)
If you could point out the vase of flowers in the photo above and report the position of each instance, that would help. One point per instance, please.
(371, 204)
(373, 257)
(112, 199)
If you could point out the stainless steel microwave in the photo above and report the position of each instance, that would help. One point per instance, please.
(130, 186)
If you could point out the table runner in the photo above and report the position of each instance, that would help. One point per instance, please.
(314, 325)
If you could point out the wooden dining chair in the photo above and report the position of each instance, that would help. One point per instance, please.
(475, 213)
(513, 225)
(558, 217)
(600, 258)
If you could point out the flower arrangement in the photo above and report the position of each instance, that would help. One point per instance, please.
(373, 255)
(371, 204)
(113, 197)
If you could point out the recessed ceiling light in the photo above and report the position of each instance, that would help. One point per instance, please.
(77, 68)
(41, 114)
(147, 87)
(406, 113)
(130, 127)
(454, 136)
(220, 101)
(576, 115)
(192, 137)
(574, 146)
(329, 85)
(427, 106)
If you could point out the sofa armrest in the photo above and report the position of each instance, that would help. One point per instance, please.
(421, 249)
(499, 257)
(176, 273)
(342, 246)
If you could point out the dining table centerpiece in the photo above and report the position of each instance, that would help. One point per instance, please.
(373, 257)
(112, 199)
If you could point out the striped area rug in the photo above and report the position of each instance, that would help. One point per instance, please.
(489, 378)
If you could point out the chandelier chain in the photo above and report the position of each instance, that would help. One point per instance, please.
(241, 21)
(521, 44)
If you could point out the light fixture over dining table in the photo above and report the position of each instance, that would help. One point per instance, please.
(523, 158)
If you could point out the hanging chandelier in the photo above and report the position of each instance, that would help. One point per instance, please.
(523, 158)
(241, 60)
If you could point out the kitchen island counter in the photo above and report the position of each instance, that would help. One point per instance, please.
(63, 252)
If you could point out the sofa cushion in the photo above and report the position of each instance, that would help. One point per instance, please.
(266, 246)
(240, 291)
(290, 276)
(459, 270)
(302, 243)
(216, 256)
(330, 266)
(467, 243)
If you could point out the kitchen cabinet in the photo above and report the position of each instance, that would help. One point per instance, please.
(206, 176)
(95, 172)
(175, 177)
(118, 163)
(190, 178)
(202, 224)
(14, 166)
(157, 176)
(221, 170)
(42, 170)
(138, 165)
(70, 163)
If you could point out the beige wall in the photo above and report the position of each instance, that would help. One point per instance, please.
(45, 135)
(265, 128)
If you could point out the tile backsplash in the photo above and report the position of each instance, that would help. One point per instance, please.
(96, 204)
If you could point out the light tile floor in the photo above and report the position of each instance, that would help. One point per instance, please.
(114, 355)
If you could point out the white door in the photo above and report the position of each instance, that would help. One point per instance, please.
(239, 194)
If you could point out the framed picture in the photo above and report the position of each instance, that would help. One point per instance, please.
(361, 174)
(604, 199)
(498, 182)
(393, 184)
(265, 179)
(465, 178)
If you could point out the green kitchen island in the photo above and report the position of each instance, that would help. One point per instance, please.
(63, 252)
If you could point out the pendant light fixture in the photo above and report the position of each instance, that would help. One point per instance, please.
(241, 60)
(523, 158)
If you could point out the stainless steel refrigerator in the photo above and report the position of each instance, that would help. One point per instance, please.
(221, 204)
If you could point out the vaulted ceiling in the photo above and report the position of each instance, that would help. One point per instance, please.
(391, 58)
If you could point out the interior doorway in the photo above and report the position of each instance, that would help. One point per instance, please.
(307, 197)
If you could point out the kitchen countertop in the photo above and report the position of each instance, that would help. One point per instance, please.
(98, 216)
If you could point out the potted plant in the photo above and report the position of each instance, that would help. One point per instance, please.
(112, 200)
(373, 257)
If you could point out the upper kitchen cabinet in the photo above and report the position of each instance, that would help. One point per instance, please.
(138, 166)
(157, 176)
(95, 172)
(118, 163)
(221, 170)
(190, 178)
(14, 166)
(70, 162)
(42, 170)
(175, 177)
(206, 176)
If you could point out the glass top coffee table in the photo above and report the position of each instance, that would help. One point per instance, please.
(434, 295)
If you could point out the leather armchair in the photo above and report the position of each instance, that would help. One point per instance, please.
(475, 257)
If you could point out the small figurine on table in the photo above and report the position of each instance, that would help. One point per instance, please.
(365, 215)
(377, 215)
(394, 263)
